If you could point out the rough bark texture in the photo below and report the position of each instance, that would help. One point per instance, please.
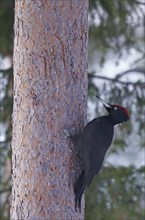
(50, 94)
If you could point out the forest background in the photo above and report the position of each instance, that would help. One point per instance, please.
(117, 73)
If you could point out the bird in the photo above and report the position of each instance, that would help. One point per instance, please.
(92, 144)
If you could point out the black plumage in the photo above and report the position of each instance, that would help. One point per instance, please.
(93, 143)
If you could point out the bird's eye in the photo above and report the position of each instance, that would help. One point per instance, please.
(115, 108)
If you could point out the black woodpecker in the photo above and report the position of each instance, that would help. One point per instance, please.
(93, 143)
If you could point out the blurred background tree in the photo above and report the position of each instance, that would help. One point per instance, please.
(6, 82)
(116, 33)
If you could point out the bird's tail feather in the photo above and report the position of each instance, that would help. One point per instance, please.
(78, 190)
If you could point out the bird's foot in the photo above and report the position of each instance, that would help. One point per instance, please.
(67, 134)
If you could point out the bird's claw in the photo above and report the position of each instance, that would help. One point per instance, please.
(66, 133)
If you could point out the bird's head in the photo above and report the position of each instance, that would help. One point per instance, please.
(117, 113)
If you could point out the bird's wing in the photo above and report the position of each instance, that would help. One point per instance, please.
(93, 144)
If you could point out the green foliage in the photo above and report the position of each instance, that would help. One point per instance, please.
(5, 149)
(6, 26)
(116, 193)
(112, 27)
(5, 180)
(6, 80)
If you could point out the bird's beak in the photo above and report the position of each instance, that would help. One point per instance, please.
(106, 105)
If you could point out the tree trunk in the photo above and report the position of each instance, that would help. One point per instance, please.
(50, 95)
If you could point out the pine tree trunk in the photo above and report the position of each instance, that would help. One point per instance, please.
(50, 94)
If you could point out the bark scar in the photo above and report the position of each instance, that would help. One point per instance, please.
(45, 65)
(63, 50)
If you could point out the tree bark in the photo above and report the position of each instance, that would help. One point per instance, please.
(50, 94)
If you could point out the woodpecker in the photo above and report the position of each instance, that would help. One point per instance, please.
(93, 143)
